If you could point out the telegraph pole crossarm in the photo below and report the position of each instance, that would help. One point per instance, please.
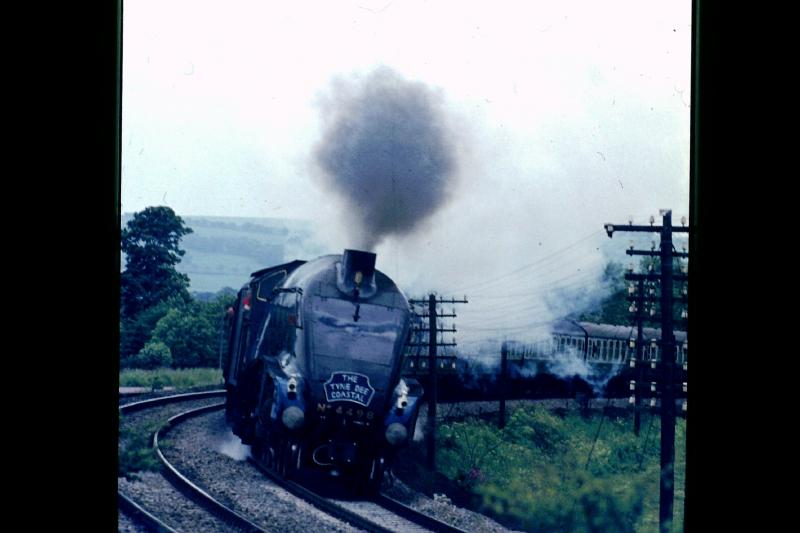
(655, 253)
(430, 312)
(666, 299)
(611, 228)
(655, 277)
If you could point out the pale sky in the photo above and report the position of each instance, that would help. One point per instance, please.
(570, 114)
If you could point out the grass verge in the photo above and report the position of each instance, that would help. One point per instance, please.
(552, 470)
(180, 378)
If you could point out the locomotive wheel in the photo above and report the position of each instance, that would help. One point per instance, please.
(297, 457)
(269, 457)
(279, 462)
(284, 459)
(374, 477)
(263, 454)
(367, 478)
(257, 451)
(292, 458)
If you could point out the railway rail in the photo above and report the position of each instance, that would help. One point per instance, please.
(151, 512)
(381, 514)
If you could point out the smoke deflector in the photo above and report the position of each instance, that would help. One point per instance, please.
(355, 274)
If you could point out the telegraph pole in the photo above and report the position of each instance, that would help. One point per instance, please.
(665, 503)
(432, 383)
(431, 392)
(639, 368)
(668, 351)
(503, 370)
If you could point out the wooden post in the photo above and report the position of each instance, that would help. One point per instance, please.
(431, 437)
(667, 488)
(502, 382)
(639, 371)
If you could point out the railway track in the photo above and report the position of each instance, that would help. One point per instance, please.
(157, 505)
(381, 514)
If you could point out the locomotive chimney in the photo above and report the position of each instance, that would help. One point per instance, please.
(356, 272)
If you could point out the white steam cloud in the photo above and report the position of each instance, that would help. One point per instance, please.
(232, 446)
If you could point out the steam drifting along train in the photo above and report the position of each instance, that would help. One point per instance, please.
(312, 368)
(599, 343)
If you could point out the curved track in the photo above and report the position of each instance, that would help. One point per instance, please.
(151, 512)
(381, 514)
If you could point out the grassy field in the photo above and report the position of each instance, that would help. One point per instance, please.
(552, 470)
(181, 378)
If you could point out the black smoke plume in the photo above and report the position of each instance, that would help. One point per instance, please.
(386, 153)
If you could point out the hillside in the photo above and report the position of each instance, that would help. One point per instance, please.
(223, 251)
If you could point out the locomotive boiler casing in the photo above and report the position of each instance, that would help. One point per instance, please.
(328, 352)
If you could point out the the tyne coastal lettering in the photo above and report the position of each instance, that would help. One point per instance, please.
(349, 387)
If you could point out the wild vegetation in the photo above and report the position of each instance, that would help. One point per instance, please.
(179, 378)
(135, 450)
(545, 471)
(552, 471)
(162, 325)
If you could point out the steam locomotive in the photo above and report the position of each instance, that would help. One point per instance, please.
(312, 368)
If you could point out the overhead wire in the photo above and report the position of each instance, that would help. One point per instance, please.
(522, 268)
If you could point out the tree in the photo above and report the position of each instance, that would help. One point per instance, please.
(136, 331)
(190, 334)
(153, 355)
(150, 244)
(613, 309)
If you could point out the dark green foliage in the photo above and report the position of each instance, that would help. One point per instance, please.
(613, 309)
(153, 355)
(538, 427)
(545, 472)
(192, 337)
(469, 452)
(586, 504)
(135, 451)
(180, 378)
(192, 331)
(150, 244)
(136, 331)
